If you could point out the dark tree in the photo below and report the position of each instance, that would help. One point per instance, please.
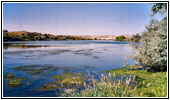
(160, 8)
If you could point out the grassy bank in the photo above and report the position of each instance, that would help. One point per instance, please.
(125, 83)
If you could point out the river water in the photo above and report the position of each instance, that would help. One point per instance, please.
(85, 56)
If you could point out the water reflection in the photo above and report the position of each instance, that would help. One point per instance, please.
(21, 46)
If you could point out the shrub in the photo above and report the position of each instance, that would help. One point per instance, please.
(120, 38)
(152, 52)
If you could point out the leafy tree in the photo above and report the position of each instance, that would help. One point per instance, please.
(120, 38)
(152, 52)
(136, 37)
(46, 36)
(160, 8)
(5, 35)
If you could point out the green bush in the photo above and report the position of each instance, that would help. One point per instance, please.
(120, 38)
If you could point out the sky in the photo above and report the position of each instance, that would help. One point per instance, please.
(77, 18)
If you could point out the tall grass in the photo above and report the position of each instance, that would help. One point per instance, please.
(123, 86)
(107, 86)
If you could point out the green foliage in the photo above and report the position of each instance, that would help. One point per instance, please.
(120, 38)
(134, 38)
(152, 52)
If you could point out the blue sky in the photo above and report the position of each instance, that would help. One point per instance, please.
(77, 18)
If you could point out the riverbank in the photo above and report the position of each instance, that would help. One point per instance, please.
(126, 83)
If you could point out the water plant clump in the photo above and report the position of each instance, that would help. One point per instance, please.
(13, 80)
(14, 83)
(33, 69)
(50, 86)
(65, 81)
(9, 75)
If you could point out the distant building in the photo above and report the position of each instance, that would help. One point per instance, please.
(99, 37)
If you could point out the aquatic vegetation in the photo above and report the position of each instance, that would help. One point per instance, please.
(33, 69)
(87, 52)
(70, 79)
(45, 72)
(9, 75)
(13, 80)
(27, 83)
(84, 52)
(14, 83)
(58, 52)
(64, 81)
(41, 70)
(50, 86)
(30, 53)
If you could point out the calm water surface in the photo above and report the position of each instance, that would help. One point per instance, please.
(66, 56)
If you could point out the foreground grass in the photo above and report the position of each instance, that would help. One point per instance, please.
(125, 83)
(149, 84)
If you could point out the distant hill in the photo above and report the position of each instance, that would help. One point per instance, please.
(35, 36)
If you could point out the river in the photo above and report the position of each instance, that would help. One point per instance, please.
(80, 56)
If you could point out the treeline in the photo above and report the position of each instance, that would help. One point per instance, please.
(35, 36)
(133, 38)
